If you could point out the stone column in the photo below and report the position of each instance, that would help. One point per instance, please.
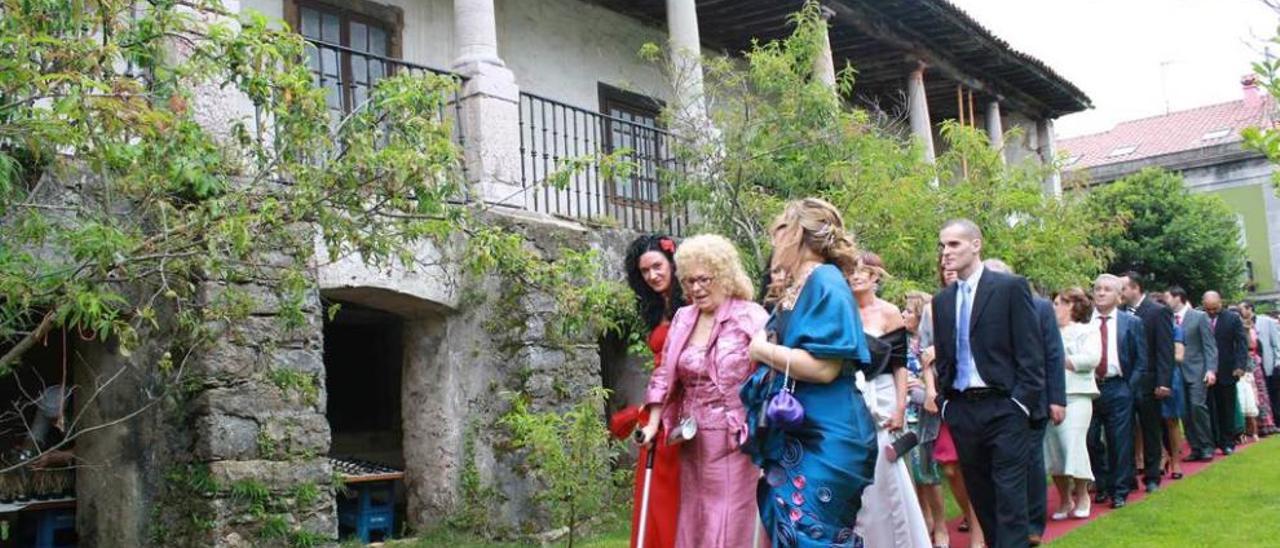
(918, 105)
(686, 64)
(490, 105)
(824, 65)
(1048, 155)
(995, 128)
(434, 413)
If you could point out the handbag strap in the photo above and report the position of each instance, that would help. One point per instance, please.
(786, 375)
(780, 328)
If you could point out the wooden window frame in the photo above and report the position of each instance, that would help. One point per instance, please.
(388, 18)
(610, 97)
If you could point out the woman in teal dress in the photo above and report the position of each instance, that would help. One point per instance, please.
(816, 468)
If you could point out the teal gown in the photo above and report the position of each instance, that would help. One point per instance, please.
(814, 475)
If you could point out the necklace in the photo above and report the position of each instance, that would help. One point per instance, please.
(792, 292)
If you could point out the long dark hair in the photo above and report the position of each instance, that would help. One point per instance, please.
(653, 308)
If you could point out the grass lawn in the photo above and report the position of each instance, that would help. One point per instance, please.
(1235, 502)
(614, 532)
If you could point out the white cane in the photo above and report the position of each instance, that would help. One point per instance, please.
(644, 497)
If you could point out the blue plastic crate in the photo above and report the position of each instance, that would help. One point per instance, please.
(368, 510)
(55, 528)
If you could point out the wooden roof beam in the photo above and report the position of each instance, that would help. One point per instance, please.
(876, 27)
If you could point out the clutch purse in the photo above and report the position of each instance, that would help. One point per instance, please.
(685, 431)
(784, 411)
(901, 446)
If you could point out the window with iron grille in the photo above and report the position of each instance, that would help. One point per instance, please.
(632, 123)
(351, 47)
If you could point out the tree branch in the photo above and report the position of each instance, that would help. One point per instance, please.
(27, 342)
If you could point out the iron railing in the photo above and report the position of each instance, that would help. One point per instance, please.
(350, 74)
(552, 134)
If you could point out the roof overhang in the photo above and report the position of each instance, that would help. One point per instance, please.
(885, 40)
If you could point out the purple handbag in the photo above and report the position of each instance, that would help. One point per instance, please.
(784, 411)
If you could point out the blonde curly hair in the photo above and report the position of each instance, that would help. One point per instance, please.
(720, 258)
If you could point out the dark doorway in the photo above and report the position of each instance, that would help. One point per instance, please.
(38, 501)
(363, 360)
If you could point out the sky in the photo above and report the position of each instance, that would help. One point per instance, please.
(1135, 58)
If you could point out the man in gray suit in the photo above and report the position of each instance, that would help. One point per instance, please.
(1269, 346)
(1199, 371)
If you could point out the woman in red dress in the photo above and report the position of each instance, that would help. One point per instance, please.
(651, 273)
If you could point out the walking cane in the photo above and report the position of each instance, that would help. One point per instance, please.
(648, 481)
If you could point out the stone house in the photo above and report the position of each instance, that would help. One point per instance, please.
(407, 372)
(1205, 146)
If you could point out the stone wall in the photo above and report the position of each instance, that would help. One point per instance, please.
(250, 412)
(160, 451)
(256, 415)
(463, 365)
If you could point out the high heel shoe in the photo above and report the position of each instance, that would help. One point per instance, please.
(1081, 511)
(1059, 516)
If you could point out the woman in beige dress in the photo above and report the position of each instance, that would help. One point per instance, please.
(1066, 450)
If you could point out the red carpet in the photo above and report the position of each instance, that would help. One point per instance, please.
(1055, 529)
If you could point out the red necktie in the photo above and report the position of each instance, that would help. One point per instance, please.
(1102, 365)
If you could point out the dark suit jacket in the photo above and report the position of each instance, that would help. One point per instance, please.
(1055, 382)
(1233, 345)
(1157, 323)
(1132, 345)
(1004, 336)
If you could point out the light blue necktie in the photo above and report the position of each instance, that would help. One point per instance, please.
(964, 356)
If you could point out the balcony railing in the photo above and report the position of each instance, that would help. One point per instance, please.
(349, 75)
(552, 132)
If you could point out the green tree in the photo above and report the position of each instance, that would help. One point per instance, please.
(1267, 139)
(99, 91)
(780, 134)
(572, 455)
(129, 215)
(1170, 234)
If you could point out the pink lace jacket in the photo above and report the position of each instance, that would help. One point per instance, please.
(728, 364)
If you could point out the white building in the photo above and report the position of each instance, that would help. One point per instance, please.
(405, 364)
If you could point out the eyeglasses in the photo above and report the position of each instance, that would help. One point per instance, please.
(698, 281)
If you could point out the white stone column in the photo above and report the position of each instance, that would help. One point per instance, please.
(824, 64)
(490, 105)
(995, 128)
(1048, 155)
(918, 105)
(686, 64)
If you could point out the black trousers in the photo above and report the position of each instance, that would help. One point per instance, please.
(1151, 422)
(991, 437)
(1224, 414)
(1037, 489)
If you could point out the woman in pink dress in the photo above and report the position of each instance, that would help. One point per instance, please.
(1264, 423)
(704, 366)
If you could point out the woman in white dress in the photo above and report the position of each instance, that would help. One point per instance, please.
(1065, 446)
(890, 516)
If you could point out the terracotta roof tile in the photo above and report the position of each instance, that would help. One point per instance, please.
(1174, 132)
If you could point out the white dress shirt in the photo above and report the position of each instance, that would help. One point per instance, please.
(975, 381)
(1113, 341)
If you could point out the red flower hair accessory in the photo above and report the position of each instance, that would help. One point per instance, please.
(667, 245)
